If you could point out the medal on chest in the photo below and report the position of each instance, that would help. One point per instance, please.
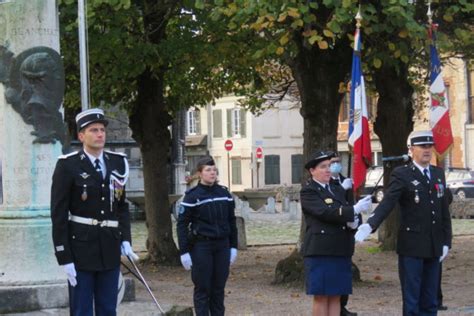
(118, 190)
(84, 193)
(417, 197)
(439, 190)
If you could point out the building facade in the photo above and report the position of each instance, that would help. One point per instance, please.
(278, 132)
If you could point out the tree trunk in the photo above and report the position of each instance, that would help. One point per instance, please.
(393, 125)
(149, 122)
(318, 74)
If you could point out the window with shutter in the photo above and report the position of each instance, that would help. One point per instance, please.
(235, 122)
(272, 169)
(197, 117)
(217, 123)
(296, 168)
(470, 93)
(229, 122)
(236, 171)
(191, 127)
(243, 123)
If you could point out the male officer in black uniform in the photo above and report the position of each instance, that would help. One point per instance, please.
(346, 183)
(425, 233)
(91, 224)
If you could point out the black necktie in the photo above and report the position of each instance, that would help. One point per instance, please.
(97, 167)
(327, 188)
(425, 172)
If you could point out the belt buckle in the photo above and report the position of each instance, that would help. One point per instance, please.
(95, 222)
(103, 223)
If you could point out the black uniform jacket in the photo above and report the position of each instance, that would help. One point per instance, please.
(209, 212)
(425, 222)
(326, 216)
(80, 190)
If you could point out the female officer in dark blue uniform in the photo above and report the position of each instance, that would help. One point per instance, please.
(329, 240)
(207, 236)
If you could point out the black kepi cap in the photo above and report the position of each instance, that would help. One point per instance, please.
(317, 157)
(205, 161)
(90, 116)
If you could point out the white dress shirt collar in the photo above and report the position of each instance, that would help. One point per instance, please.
(421, 168)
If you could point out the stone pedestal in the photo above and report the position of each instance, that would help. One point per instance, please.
(270, 207)
(295, 211)
(241, 233)
(29, 273)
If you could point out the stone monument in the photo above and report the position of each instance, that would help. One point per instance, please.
(31, 138)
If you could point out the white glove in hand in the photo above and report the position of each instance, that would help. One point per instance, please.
(186, 261)
(354, 224)
(233, 255)
(363, 232)
(445, 253)
(127, 251)
(347, 184)
(70, 270)
(364, 204)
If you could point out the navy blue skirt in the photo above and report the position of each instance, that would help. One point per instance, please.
(328, 275)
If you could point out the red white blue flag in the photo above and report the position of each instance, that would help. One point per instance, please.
(359, 134)
(439, 105)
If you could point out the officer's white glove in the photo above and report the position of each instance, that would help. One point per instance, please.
(364, 204)
(363, 232)
(353, 224)
(445, 253)
(127, 251)
(347, 184)
(233, 255)
(186, 261)
(70, 270)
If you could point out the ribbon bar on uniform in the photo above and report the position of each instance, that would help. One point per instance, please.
(92, 221)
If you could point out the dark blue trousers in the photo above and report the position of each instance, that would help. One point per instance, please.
(209, 273)
(419, 280)
(96, 289)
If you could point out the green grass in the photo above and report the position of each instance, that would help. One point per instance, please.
(373, 250)
(463, 227)
(272, 233)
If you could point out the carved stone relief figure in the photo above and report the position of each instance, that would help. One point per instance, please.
(34, 82)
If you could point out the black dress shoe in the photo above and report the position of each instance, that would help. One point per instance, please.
(442, 307)
(345, 312)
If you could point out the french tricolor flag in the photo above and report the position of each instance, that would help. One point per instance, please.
(439, 106)
(359, 135)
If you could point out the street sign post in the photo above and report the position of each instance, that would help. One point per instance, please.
(259, 156)
(228, 145)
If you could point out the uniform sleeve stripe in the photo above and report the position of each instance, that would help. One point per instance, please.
(207, 201)
(188, 204)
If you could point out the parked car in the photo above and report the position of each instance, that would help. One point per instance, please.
(373, 185)
(461, 182)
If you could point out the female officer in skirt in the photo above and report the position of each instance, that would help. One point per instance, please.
(329, 239)
(207, 236)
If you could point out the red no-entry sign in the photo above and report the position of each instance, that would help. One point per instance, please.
(259, 153)
(228, 145)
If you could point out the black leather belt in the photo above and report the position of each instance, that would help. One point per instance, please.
(201, 237)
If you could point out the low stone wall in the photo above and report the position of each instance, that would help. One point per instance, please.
(462, 208)
(292, 193)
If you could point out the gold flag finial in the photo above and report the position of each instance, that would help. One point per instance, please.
(429, 13)
(358, 18)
